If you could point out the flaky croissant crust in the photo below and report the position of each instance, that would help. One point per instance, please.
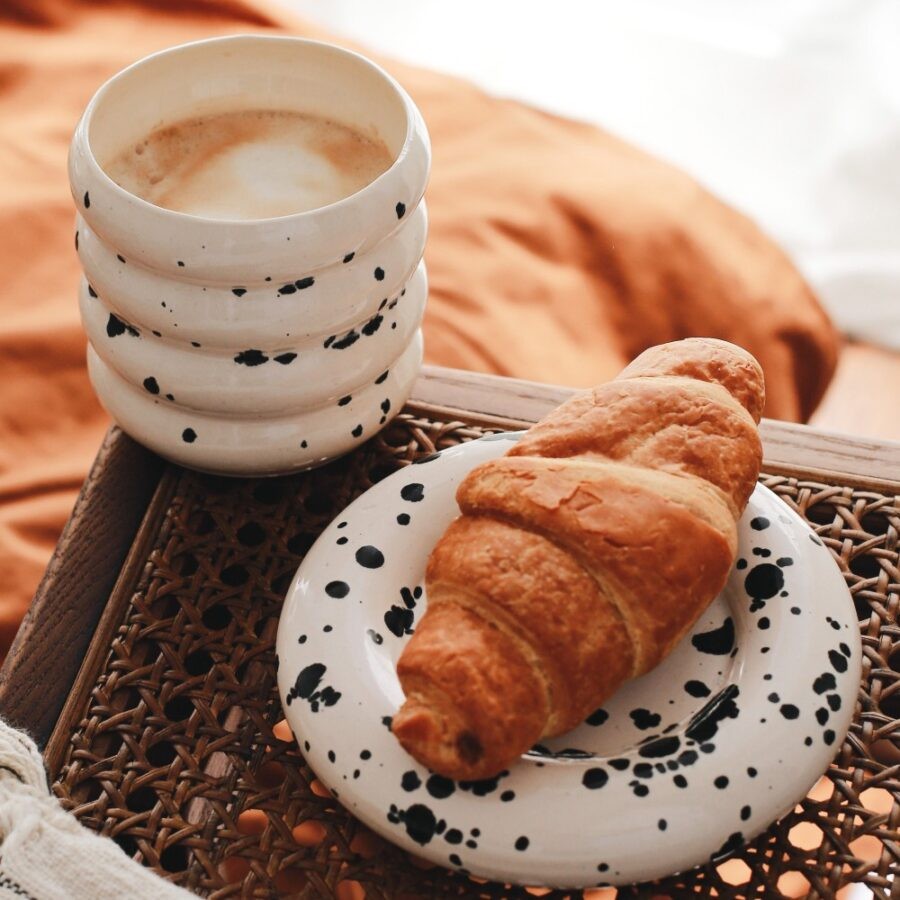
(581, 557)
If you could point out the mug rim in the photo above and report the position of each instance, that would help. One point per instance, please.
(409, 109)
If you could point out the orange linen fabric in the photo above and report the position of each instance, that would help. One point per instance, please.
(556, 252)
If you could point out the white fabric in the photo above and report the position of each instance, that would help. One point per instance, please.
(787, 109)
(45, 854)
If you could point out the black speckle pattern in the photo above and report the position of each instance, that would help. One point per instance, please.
(189, 435)
(399, 620)
(116, 326)
(251, 358)
(645, 719)
(594, 778)
(348, 340)
(87, 200)
(400, 209)
(419, 821)
(379, 274)
(697, 688)
(370, 557)
(372, 325)
(410, 781)
(239, 291)
(307, 686)
(763, 582)
(151, 385)
(413, 493)
(718, 642)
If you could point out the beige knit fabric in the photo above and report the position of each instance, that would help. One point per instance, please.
(45, 854)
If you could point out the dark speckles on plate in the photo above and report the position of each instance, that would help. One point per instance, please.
(370, 557)
(697, 688)
(594, 778)
(413, 492)
(717, 642)
(644, 718)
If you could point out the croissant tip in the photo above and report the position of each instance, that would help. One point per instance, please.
(430, 739)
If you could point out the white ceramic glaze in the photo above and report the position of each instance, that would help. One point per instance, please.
(679, 767)
(232, 346)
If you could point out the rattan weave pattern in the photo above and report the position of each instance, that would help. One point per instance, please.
(180, 757)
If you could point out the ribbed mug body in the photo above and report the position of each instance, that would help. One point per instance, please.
(252, 346)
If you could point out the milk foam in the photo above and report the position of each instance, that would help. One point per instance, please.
(250, 164)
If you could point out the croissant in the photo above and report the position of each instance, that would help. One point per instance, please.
(581, 557)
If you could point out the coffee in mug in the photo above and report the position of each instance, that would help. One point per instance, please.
(249, 164)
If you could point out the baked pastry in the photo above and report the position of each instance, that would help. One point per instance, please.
(581, 557)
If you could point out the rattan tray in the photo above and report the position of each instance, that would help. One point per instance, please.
(170, 742)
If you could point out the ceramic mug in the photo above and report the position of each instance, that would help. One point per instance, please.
(257, 346)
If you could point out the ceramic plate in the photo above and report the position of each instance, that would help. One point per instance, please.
(680, 767)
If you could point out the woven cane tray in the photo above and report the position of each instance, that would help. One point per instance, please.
(172, 740)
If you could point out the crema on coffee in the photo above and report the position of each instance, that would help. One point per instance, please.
(249, 164)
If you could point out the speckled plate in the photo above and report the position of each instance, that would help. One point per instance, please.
(679, 767)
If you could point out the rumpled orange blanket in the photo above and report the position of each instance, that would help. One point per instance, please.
(556, 252)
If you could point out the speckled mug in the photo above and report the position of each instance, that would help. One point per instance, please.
(261, 346)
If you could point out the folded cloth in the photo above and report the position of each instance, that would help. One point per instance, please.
(45, 854)
(557, 252)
